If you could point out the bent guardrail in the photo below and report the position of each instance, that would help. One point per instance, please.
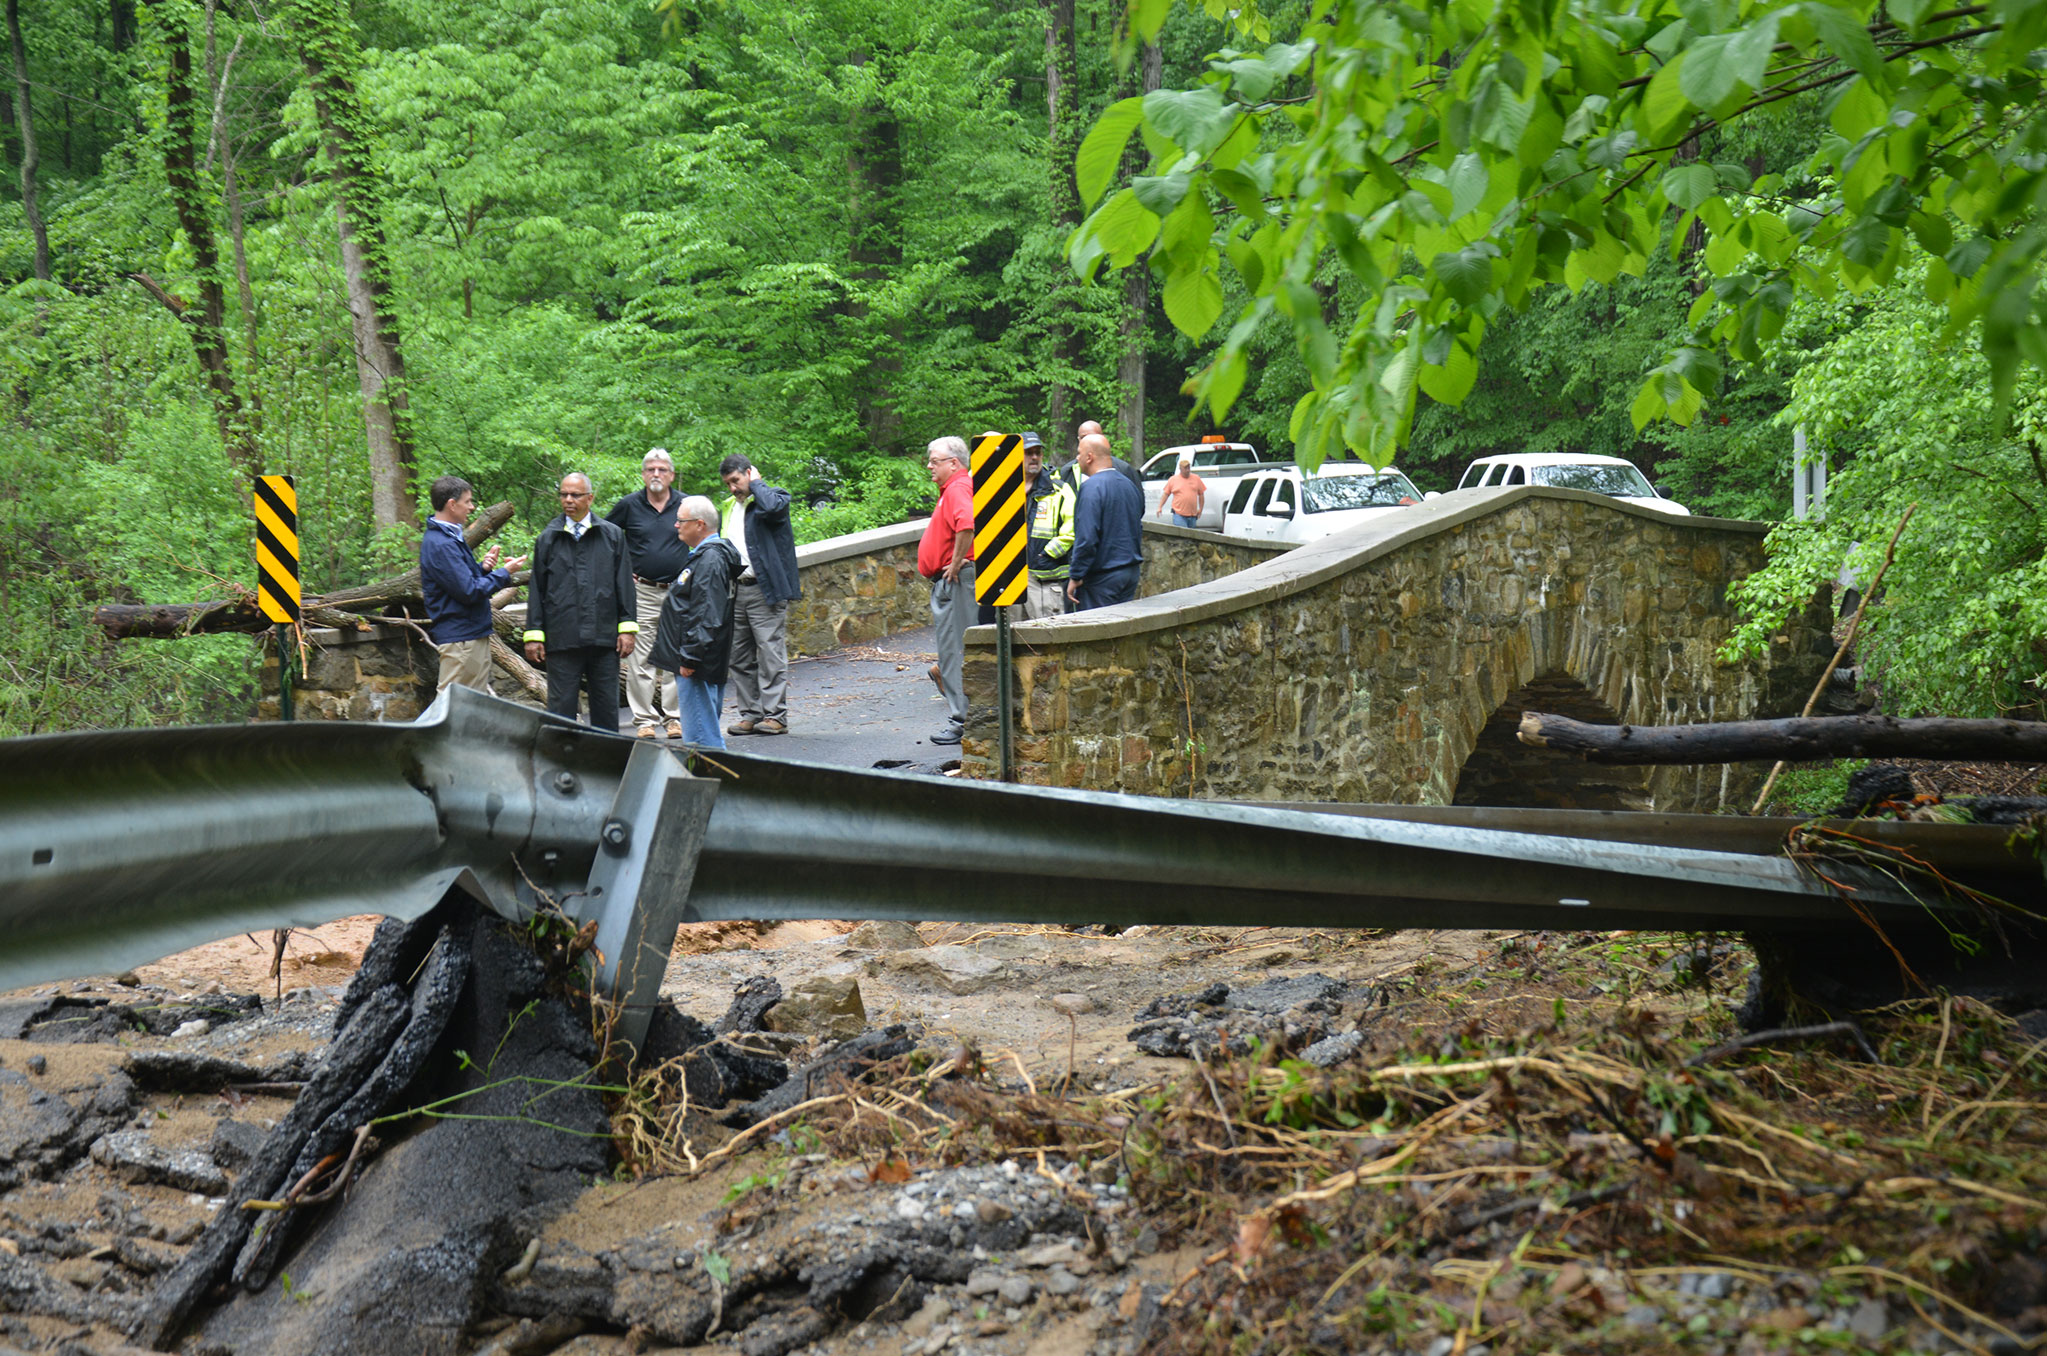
(119, 847)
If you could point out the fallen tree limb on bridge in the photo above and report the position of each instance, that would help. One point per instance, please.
(171, 621)
(1793, 740)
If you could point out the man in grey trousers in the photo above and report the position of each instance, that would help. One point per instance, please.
(756, 522)
(945, 556)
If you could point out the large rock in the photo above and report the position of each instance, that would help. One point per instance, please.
(48, 1121)
(884, 934)
(131, 1156)
(955, 969)
(824, 1007)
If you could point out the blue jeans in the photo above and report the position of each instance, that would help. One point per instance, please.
(1187, 519)
(701, 703)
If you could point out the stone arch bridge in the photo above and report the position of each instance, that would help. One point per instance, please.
(1391, 663)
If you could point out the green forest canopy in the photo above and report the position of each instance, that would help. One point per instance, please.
(822, 233)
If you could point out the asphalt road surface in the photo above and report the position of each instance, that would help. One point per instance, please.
(863, 706)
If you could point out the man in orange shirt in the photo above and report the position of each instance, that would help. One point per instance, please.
(1187, 491)
(945, 556)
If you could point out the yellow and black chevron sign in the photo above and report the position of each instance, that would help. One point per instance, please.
(1002, 527)
(277, 548)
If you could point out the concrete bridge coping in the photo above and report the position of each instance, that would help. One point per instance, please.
(860, 543)
(1303, 567)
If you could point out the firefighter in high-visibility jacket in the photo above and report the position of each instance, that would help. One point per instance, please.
(1051, 502)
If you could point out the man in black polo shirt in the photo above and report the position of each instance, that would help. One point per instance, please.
(647, 517)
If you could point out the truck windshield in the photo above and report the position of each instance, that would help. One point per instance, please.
(1387, 490)
(1622, 482)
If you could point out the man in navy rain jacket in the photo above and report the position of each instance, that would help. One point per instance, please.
(1108, 531)
(457, 589)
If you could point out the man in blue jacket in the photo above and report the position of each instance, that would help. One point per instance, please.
(756, 524)
(581, 615)
(457, 589)
(1108, 531)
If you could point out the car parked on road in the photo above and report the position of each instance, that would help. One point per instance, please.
(1612, 476)
(1222, 464)
(1285, 503)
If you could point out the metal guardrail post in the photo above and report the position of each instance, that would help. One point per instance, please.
(639, 885)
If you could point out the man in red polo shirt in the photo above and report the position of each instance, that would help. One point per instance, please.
(946, 557)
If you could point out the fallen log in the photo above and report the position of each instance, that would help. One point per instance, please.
(1793, 740)
(172, 621)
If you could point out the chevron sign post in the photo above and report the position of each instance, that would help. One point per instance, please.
(1002, 532)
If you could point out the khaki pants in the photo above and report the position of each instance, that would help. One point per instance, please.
(466, 662)
(1045, 598)
(651, 695)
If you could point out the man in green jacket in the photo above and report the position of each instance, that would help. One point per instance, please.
(1050, 503)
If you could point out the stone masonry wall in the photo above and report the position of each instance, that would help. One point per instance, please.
(858, 588)
(381, 673)
(1178, 557)
(1364, 667)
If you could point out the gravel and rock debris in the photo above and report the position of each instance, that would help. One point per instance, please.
(1408, 1145)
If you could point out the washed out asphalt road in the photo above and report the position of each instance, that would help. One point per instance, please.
(857, 707)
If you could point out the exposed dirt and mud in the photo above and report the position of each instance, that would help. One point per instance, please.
(1168, 1140)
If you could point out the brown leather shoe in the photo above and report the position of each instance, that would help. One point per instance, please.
(769, 725)
(646, 732)
(741, 727)
(675, 729)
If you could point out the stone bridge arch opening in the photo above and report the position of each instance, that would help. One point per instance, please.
(1502, 771)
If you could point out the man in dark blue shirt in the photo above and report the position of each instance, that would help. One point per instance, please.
(457, 589)
(1108, 531)
(647, 517)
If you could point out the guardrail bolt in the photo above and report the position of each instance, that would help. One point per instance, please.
(565, 782)
(616, 833)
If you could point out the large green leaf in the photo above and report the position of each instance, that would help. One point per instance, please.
(1686, 186)
(1846, 38)
(1708, 75)
(1194, 297)
(1195, 120)
(1101, 150)
(1664, 106)
(1467, 274)
(1453, 379)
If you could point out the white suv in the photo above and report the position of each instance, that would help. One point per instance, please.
(1611, 476)
(1289, 505)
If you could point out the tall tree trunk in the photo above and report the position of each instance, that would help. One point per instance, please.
(1136, 296)
(205, 323)
(874, 176)
(231, 196)
(1062, 144)
(330, 54)
(24, 118)
(121, 18)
